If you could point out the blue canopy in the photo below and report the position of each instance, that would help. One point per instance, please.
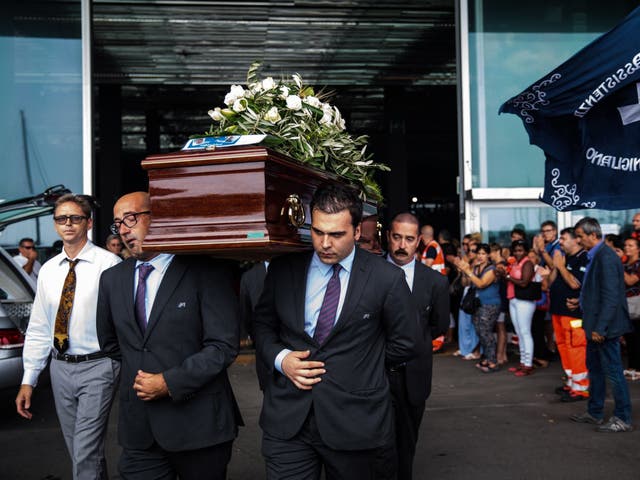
(585, 116)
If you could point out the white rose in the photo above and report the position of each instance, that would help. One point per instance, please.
(284, 91)
(338, 120)
(313, 101)
(268, 83)
(216, 114)
(294, 102)
(237, 91)
(229, 98)
(240, 105)
(326, 118)
(255, 87)
(272, 115)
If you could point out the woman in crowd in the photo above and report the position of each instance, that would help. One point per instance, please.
(616, 243)
(521, 308)
(467, 336)
(632, 283)
(542, 354)
(501, 329)
(482, 276)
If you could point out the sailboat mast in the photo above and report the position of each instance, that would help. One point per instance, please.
(27, 164)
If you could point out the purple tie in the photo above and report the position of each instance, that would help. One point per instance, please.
(141, 292)
(327, 315)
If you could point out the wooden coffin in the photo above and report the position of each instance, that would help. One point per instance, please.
(246, 203)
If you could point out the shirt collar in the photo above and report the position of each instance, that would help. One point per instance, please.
(346, 263)
(160, 262)
(407, 267)
(87, 254)
(592, 253)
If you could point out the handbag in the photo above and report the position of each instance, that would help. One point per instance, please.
(533, 291)
(634, 307)
(470, 303)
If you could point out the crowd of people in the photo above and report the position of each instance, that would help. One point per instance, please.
(343, 365)
(572, 296)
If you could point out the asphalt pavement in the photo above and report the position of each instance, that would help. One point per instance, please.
(477, 426)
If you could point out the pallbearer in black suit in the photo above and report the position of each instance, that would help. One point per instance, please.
(173, 321)
(326, 324)
(251, 285)
(411, 383)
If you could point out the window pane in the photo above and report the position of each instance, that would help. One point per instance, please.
(617, 222)
(41, 114)
(497, 222)
(511, 45)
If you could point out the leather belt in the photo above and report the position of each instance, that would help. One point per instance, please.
(65, 357)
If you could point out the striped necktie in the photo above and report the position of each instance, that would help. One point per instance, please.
(327, 315)
(141, 292)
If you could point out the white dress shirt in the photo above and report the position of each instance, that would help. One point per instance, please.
(83, 338)
(160, 264)
(409, 270)
(22, 261)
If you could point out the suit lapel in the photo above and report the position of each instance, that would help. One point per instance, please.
(360, 271)
(299, 272)
(170, 281)
(126, 290)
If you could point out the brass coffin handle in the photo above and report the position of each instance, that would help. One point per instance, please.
(295, 210)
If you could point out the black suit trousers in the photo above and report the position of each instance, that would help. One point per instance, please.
(304, 456)
(208, 463)
(407, 423)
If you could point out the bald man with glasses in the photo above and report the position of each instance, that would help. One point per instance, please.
(63, 326)
(173, 320)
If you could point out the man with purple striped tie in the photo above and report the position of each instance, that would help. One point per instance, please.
(326, 324)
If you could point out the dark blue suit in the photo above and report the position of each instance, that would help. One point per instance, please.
(605, 312)
(603, 298)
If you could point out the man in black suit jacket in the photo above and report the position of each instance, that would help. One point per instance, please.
(178, 415)
(411, 383)
(327, 401)
(251, 286)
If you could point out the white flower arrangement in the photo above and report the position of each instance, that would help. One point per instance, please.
(299, 123)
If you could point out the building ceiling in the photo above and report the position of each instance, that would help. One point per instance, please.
(329, 42)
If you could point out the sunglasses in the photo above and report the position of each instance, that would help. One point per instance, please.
(28, 247)
(75, 219)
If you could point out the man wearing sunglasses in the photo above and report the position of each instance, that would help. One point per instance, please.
(27, 258)
(173, 320)
(63, 326)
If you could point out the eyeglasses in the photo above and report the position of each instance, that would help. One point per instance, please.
(75, 219)
(547, 230)
(130, 220)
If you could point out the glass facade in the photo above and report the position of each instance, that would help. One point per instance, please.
(509, 46)
(496, 223)
(41, 115)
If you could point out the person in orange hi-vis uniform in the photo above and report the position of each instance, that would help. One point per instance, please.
(565, 283)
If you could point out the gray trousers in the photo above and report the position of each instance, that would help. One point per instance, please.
(83, 394)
